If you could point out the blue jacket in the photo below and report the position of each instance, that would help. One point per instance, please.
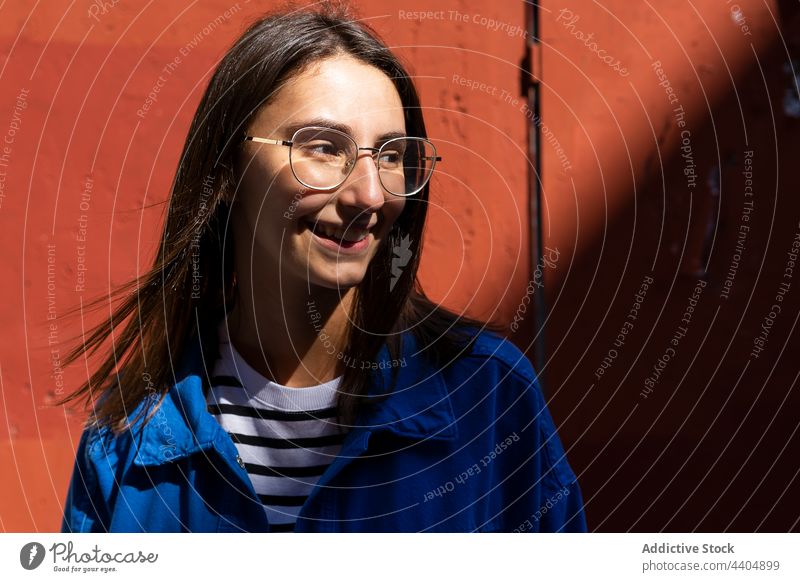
(468, 447)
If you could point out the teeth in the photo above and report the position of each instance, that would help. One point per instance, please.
(351, 235)
(354, 235)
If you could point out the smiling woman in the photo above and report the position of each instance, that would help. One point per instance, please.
(315, 386)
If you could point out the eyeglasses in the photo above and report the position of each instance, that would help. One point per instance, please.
(322, 158)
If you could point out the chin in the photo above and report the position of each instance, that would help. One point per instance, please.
(327, 278)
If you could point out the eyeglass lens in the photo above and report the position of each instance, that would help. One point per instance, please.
(322, 159)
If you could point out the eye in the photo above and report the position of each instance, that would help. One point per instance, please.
(322, 148)
(391, 157)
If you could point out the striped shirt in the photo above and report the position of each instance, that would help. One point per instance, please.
(286, 436)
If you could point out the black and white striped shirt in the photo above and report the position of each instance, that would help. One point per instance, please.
(286, 436)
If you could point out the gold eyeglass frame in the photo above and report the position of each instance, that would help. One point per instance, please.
(375, 156)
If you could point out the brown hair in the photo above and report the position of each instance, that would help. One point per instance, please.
(159, 313)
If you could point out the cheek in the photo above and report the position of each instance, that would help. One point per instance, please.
(392, 211)
(267, 180)
(275, 202)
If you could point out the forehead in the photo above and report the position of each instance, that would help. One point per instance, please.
(341, 89)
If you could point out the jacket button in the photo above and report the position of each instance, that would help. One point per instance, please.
(240, 461)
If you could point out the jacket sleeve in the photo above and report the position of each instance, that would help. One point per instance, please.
(558, 507)
(565, 513)
(561, 508)
(84, 507)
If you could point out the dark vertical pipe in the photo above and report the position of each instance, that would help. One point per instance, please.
(531, 90)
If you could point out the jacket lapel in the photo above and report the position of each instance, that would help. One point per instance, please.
(419, 406)
(182, 425)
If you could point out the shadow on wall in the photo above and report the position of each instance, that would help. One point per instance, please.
(675, 401)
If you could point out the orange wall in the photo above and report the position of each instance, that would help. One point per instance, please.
(83, 76)
(711, 447)
(711, 444)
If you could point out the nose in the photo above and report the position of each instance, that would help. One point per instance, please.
(362, 188)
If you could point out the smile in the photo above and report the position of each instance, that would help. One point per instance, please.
(343, 240)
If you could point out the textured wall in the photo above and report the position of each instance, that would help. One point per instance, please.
(89, 150)
(675, 419)
(703, 439)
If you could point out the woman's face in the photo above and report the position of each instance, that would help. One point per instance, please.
(275, 215)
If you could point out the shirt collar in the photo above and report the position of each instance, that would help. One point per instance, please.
(419, 407)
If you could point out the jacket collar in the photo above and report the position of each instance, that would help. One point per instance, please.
(418, 408)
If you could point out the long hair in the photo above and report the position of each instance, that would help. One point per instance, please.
(190, 286)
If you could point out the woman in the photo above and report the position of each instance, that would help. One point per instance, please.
(314, 386)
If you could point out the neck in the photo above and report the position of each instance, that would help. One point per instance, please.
(293, 337)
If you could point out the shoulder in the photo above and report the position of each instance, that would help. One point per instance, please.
(496, 384)
(492, 348)
(107, 448)
(491, 353)
(494, 372)
(115, 448)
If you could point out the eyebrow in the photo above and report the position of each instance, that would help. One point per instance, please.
(344, 128)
